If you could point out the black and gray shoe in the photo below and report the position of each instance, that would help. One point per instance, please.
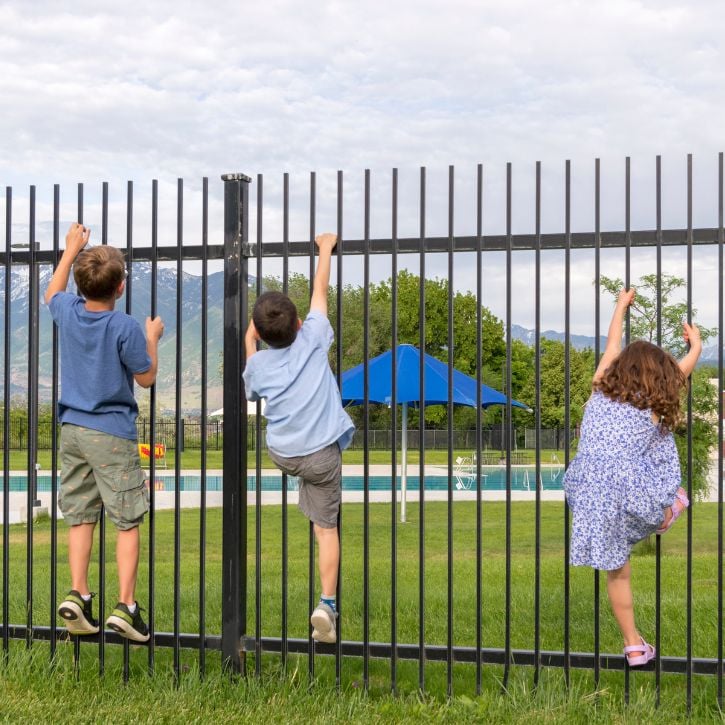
(130, 626)
(78, 614)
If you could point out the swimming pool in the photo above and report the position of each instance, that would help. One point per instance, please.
(493, 478)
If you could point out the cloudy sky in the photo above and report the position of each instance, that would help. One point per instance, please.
(98, 91)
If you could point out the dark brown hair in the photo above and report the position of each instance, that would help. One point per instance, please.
(648, 378)
(275, 317)
(98, 272)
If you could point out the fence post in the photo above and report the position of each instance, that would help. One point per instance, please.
(234, 456)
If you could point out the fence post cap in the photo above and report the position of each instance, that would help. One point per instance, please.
(236, 177)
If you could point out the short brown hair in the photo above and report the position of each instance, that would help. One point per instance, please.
(98, 272)
(647, 377)
(275, 317)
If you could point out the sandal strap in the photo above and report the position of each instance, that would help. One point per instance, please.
(643, 647)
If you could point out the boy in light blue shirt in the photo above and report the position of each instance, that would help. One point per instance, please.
(307, 428)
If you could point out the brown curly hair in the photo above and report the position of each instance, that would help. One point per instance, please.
(647, 377)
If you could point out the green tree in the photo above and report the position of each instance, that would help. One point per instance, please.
(644, 309)
(552, 393)
(643, 326)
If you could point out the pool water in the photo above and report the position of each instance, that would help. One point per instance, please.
(493, 478)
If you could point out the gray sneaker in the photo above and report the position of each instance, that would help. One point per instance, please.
(130, 626)
(323, 624)
(78, 614)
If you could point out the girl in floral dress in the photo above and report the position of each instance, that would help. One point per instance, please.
(624, 483)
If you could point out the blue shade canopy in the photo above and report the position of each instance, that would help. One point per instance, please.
(408, 382)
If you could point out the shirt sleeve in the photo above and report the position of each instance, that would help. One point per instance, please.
(248, 377)
(319, 329)
(60, 302)
(132, 349)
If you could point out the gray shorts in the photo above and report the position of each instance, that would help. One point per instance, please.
(99, 469)
(320, 475)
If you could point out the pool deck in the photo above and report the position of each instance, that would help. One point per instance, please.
(192, 499)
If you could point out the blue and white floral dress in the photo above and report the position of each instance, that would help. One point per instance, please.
(625, 473)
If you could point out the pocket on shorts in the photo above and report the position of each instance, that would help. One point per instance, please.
(324, 466)
(130, 497)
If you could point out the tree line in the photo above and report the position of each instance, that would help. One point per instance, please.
(648, 320)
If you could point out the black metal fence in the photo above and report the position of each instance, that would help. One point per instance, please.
(454, 610)
(377, 439)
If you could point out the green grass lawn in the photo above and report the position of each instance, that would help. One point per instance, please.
(283, 693)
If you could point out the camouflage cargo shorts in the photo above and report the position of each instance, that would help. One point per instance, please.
(99, 469)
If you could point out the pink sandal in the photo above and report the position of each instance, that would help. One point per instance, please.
(639, 660)
(684, 502)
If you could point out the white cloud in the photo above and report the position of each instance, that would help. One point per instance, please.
(160, 90)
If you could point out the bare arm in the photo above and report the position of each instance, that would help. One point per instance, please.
(614, 337)
(250, 340)
(326, 243)
(154, 332)
(75, 240)
(691, 333)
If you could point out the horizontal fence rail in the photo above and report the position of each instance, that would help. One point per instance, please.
(455, 578)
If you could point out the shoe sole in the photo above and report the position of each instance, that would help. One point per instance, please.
(75, 620)
(122, 627)
(323, 628)
(324, 638)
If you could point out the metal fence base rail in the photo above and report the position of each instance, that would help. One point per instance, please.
(383, 650)
(160, 639)
(488, 655)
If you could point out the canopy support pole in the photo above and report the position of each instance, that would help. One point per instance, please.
(404, 467)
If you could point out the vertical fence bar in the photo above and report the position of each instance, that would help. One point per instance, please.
(449, 423)
(567, 402)
(311, 527)
(366, 427)
(204, 420)
(234, 516)
(627, 238)
(76, 639)
(394, 443)
(479, 343)
(421, 442)
(338, 337)
(203, 441)
(721, 413)
(537, 433)
(32, 414)
(6, 419)
(507, 415)
(597, 351)
(178, 429)
(53, 443)
(129, 311)
(152, 434)
(689, 441)
(658, 539)
(285, 479)
(102, 521)
(627, 245)
(258, 463)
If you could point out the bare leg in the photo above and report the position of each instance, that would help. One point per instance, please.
(329, 558)
(666, 519)
(619, 589)
(80, 543)
(127, 547)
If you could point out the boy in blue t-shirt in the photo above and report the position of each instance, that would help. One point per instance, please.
(102, 351)
(307, 428)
